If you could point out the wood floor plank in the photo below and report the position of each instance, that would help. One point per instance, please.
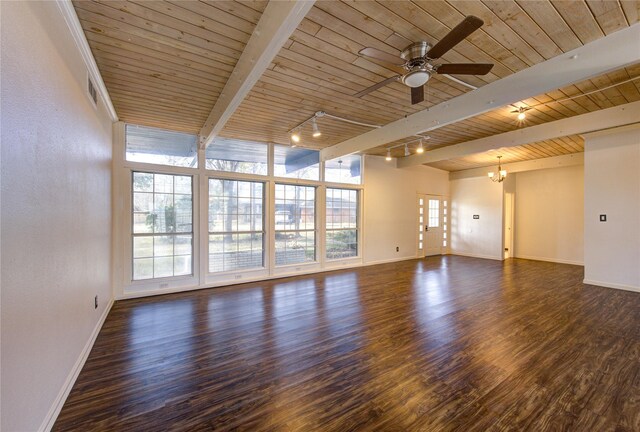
(439, 344)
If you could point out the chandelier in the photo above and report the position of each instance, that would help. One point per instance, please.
(502, 174)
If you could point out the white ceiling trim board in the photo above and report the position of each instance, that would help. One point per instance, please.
(604, 119)
(73, 23)
(609, 53)
(278, 21)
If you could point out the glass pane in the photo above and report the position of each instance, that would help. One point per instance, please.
(182, 265)
(158, 146)
(165, 207)
(182, 213)
(143, 223)
(296, 162)
(162, 246)
(434, 213)
(342, 208)
(143, 268)
(235, 225)
(233, 155)
(163, 267)
(294, 207)
(229, 252)
(142, 182)
(342, 244)
(143, 247)
(182, 245)
(295, 247)
(182, 185)
(345, 169)
(163, 213)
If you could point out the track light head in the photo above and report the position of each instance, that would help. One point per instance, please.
(295, 136)
(316, 131)
(406, 150)
(420, 148)
(388, 158)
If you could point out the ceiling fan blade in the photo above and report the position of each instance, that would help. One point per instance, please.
(464, 68)
(381, 55)
(455, 36)
(377, 86)
(417, 95)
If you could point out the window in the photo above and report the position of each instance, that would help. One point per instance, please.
(236, 225)
(342, 223)
(238, 156)
(434, 213)
(345, 169)
(444, 223)
(157, 146)
(295, 221)
(296, 162)
(162, 225)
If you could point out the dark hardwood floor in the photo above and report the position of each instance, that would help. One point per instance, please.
(440, 344)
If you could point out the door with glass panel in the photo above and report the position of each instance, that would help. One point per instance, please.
(430, 225)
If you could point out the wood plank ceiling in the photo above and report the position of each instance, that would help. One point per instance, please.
(165, 63)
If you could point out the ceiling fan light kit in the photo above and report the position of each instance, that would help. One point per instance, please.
(416, 78)
(417, 60)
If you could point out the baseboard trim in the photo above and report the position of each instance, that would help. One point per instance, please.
(553, 260)
(55, 409)
(387, 261)
(221, 284)
(611, 285)
(491, 257)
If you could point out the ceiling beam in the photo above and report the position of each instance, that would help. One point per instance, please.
(277, 23)
(606, 54)
(567, 160)
(603, 119)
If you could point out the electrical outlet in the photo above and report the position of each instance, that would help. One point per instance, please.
(95, 302)
(397, 248)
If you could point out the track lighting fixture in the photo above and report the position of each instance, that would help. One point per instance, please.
(295, 136)
(420, 148)
(388, 158)
(316, 131)
(406, 150)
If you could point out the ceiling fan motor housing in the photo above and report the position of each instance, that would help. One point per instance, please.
(415, 50)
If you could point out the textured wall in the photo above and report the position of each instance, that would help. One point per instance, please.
(56, 211)
(390, 209)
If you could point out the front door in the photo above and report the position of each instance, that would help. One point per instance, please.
(429, 226)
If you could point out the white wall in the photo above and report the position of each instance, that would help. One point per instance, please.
(476, 237)
(390, 214)
(612, 187)
(56, 212)
(549, 215)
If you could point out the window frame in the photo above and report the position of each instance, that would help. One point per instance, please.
(153, 234)
(122, 206)
(264, 228)
(315, 230)
(357, 227)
